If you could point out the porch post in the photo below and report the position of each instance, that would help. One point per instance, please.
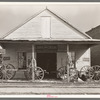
(33, 63)
(68, 77)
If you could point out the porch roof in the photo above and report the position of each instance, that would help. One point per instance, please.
(54, 41)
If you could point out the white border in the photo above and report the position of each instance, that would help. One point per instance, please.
(45, 96)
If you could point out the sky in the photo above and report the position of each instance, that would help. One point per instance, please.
(83, 16)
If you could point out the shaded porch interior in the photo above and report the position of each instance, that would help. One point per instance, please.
(50, 57)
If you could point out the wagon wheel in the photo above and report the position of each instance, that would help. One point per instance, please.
(1, 74)
(8, 71)
(39, 73)
(62, 72)
(86, 72)
(96, 72)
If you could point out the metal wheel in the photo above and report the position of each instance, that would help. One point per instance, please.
(39, 73)
(96, 72)
(1, 74)
(8, 71)
(62, 72)
(73, 74)
(86, 72)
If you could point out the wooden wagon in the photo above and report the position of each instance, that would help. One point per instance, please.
(8, 71)
(90, 72)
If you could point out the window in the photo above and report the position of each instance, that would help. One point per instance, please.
(21, 60)
(45, 27)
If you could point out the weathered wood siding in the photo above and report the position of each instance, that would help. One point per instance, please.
(84, 59)
(30, 30)
(12, 52)
(81, 51)
(82, 56)
(95, 50)
(58, 29)
(95, 55)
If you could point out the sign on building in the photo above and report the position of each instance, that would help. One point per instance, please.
(2, 51)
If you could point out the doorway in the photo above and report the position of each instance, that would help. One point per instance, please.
(22, 60)
(47, 61)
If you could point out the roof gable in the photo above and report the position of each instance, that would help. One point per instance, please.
(31, 29)
(94, 32)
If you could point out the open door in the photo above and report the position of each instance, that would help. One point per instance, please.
(47, 61)
(22, 61)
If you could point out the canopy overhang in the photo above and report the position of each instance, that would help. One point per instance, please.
(54, 41)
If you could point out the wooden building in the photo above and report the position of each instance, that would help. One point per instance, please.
(95, 50)
(46, 37)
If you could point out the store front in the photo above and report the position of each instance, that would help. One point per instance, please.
(49, 57)
(44, 44)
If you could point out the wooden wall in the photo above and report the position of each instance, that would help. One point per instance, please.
(32, 29)
(82, 54)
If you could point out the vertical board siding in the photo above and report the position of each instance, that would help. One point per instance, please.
(61, 59)
(12, 52)
(82, 54)
(81, 51)
(45, 27)
(84, 59)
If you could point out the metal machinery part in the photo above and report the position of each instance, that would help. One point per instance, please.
(88, 72)
(39, 73)
(7, 72)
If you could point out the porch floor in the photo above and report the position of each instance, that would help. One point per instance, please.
(48, 83)
(48, 87)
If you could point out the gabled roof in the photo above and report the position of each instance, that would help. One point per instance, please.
(66, 22)
(21, 24)
(94, 32)
(59, 17)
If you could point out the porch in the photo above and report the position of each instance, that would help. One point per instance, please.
(58, 49)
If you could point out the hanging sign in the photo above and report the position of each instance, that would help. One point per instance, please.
(46, 48)
(2, 51)
(50, 47)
